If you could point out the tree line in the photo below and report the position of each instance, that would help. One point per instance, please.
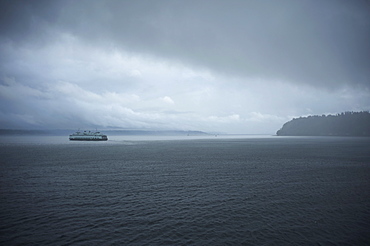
(342, 124)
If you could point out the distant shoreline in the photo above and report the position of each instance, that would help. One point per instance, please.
(107, 131)
(351, 124)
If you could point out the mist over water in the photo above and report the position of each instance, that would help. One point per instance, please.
(208, 190)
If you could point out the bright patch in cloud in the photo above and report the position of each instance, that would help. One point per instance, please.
(167, 99)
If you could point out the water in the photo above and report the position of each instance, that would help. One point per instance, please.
(190, 191)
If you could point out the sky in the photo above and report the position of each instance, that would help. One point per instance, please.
(230, 66)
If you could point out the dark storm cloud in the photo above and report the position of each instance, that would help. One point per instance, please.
(230, 66)
(23, 22)
(321, 43)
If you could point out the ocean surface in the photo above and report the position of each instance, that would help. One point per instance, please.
(225, 190)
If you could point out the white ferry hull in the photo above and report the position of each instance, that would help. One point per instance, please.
(88, 136)
(87, 139)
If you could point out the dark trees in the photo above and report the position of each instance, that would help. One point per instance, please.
(343, 124)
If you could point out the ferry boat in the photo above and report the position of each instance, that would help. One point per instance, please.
(88, 136)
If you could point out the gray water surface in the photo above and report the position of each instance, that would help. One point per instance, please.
(204, 191)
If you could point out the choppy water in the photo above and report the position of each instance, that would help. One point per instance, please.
(221, 191)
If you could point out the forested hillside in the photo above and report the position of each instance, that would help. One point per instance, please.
(344, 124)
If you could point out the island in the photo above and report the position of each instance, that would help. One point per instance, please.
(343, 124)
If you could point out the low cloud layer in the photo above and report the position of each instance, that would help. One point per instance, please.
(227, 66)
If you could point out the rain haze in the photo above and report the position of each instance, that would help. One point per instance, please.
(213, 66)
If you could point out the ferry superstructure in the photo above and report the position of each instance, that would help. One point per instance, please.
(88, 136)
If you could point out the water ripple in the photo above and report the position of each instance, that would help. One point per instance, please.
(199, 192)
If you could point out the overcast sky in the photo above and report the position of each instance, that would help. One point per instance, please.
(216, 66)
